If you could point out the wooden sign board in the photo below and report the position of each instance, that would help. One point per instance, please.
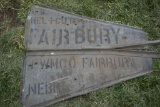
(59, 64)
(48, 29)
(49, 77)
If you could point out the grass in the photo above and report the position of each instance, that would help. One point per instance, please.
(139, 92)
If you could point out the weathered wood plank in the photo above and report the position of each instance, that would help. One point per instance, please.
(48, 29)
(52, 77)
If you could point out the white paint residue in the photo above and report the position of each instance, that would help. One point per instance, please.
(29, 17)
(56, 94)
(52, 53)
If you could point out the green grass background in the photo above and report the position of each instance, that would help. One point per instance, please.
(139, 92)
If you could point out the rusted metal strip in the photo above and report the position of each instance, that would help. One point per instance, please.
(144, 54)
(125, 46)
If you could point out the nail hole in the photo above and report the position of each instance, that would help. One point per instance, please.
(48, 66)
(27, 96)
(35, 63)
(124, 37)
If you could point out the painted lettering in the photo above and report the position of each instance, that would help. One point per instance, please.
(62, 63)
(34, 20)
(114, 63)
(102, 62)
(109, 62)
(115, 32)
(49, 88)
(72, 63)
(120, 62)
(57, 20)
(91, 37)
(133, 64)
(60, 37)
(79, 36)
(66, 36)
(38, 20)
(107, 35)
(56, 63)
(44, 64)
(41, 88)
(126, 62)
(30, 36)
(43, 37)
(54, 37)
(100, 35)
(32, 89)
(51, 20)
(91, 64)
(84, 62)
